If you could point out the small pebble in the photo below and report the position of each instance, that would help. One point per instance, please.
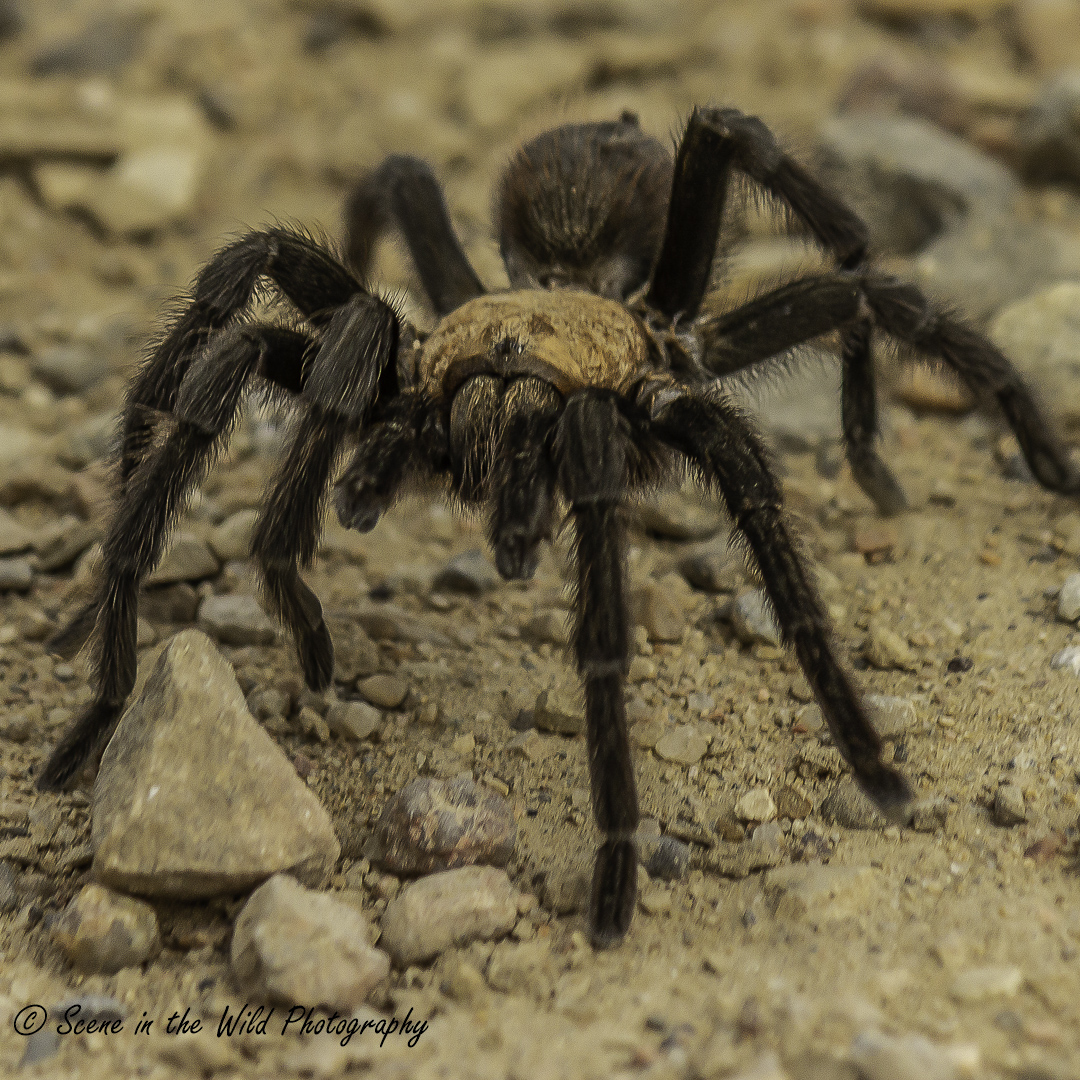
(474, 903)
(755, 805)
(791, 805)
(1009, 806)
(886, 650)
(987, 983)
(298, 946)
(911, 1057)
(1068, 606)
(353, 719)
(101, 931)
(890, 715)
(664, 857)
(386, 691)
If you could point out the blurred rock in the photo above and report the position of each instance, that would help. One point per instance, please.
(682, 745)
(89, 441)
(559, 711)
(1041, 335)
(1009, 806)
(890, 715)
(353, 720)
(908, 179)
(104, 46)
(656, 609)
(193, 798)
(297, 946)
(70, 369)
(848, 805)
(753, 620)
(386, 691)
(550, 625)
(712, 567)
(1049, 32)
(231, 540)
(911, 1057)
(16, 575)
(819, 893)
(471, 573)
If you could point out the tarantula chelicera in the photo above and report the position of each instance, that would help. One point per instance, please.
(595, 376)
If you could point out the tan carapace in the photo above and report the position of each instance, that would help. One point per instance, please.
(571, 338)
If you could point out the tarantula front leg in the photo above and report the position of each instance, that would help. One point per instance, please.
(716, 438)
(149, 503)
(358, 345)
(308, 275)
(403, 191)
(590, 453)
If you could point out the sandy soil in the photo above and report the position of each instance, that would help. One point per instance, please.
(965, 934)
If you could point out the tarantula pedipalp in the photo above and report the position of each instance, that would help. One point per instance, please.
(596, 376)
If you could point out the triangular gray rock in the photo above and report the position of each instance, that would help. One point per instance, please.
(193, 798)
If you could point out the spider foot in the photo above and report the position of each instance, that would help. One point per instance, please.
(890, 791)
(614, 893)
(84, 743)
(877, 481)
(516, 556)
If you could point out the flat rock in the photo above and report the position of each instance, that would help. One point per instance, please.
(911, 1057)
(14, 535)
(193, 798)
(189, 559)
(550, 625)
(16, 575)
(474, 903)
(102, 932)
(1041, 335)
(993, 260)
(236, 619)
(819, 893)
(435, 825)
(712, 568)
(297, 946)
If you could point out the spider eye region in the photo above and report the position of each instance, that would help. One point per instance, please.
(572, 339)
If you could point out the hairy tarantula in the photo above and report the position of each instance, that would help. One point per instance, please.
(595, 376)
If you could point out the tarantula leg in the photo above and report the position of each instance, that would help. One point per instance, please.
(474, 417)
(859, 417)
(591, 458)
(904, 312)
(716, 438)
(309, 276)
(149, 504)
(403, 191)
(360, 341)
(524, 477)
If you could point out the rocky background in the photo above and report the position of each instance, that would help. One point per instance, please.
(433, 814)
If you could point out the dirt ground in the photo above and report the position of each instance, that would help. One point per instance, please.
(962, 932)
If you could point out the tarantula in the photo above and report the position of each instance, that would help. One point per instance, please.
(595, 376)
